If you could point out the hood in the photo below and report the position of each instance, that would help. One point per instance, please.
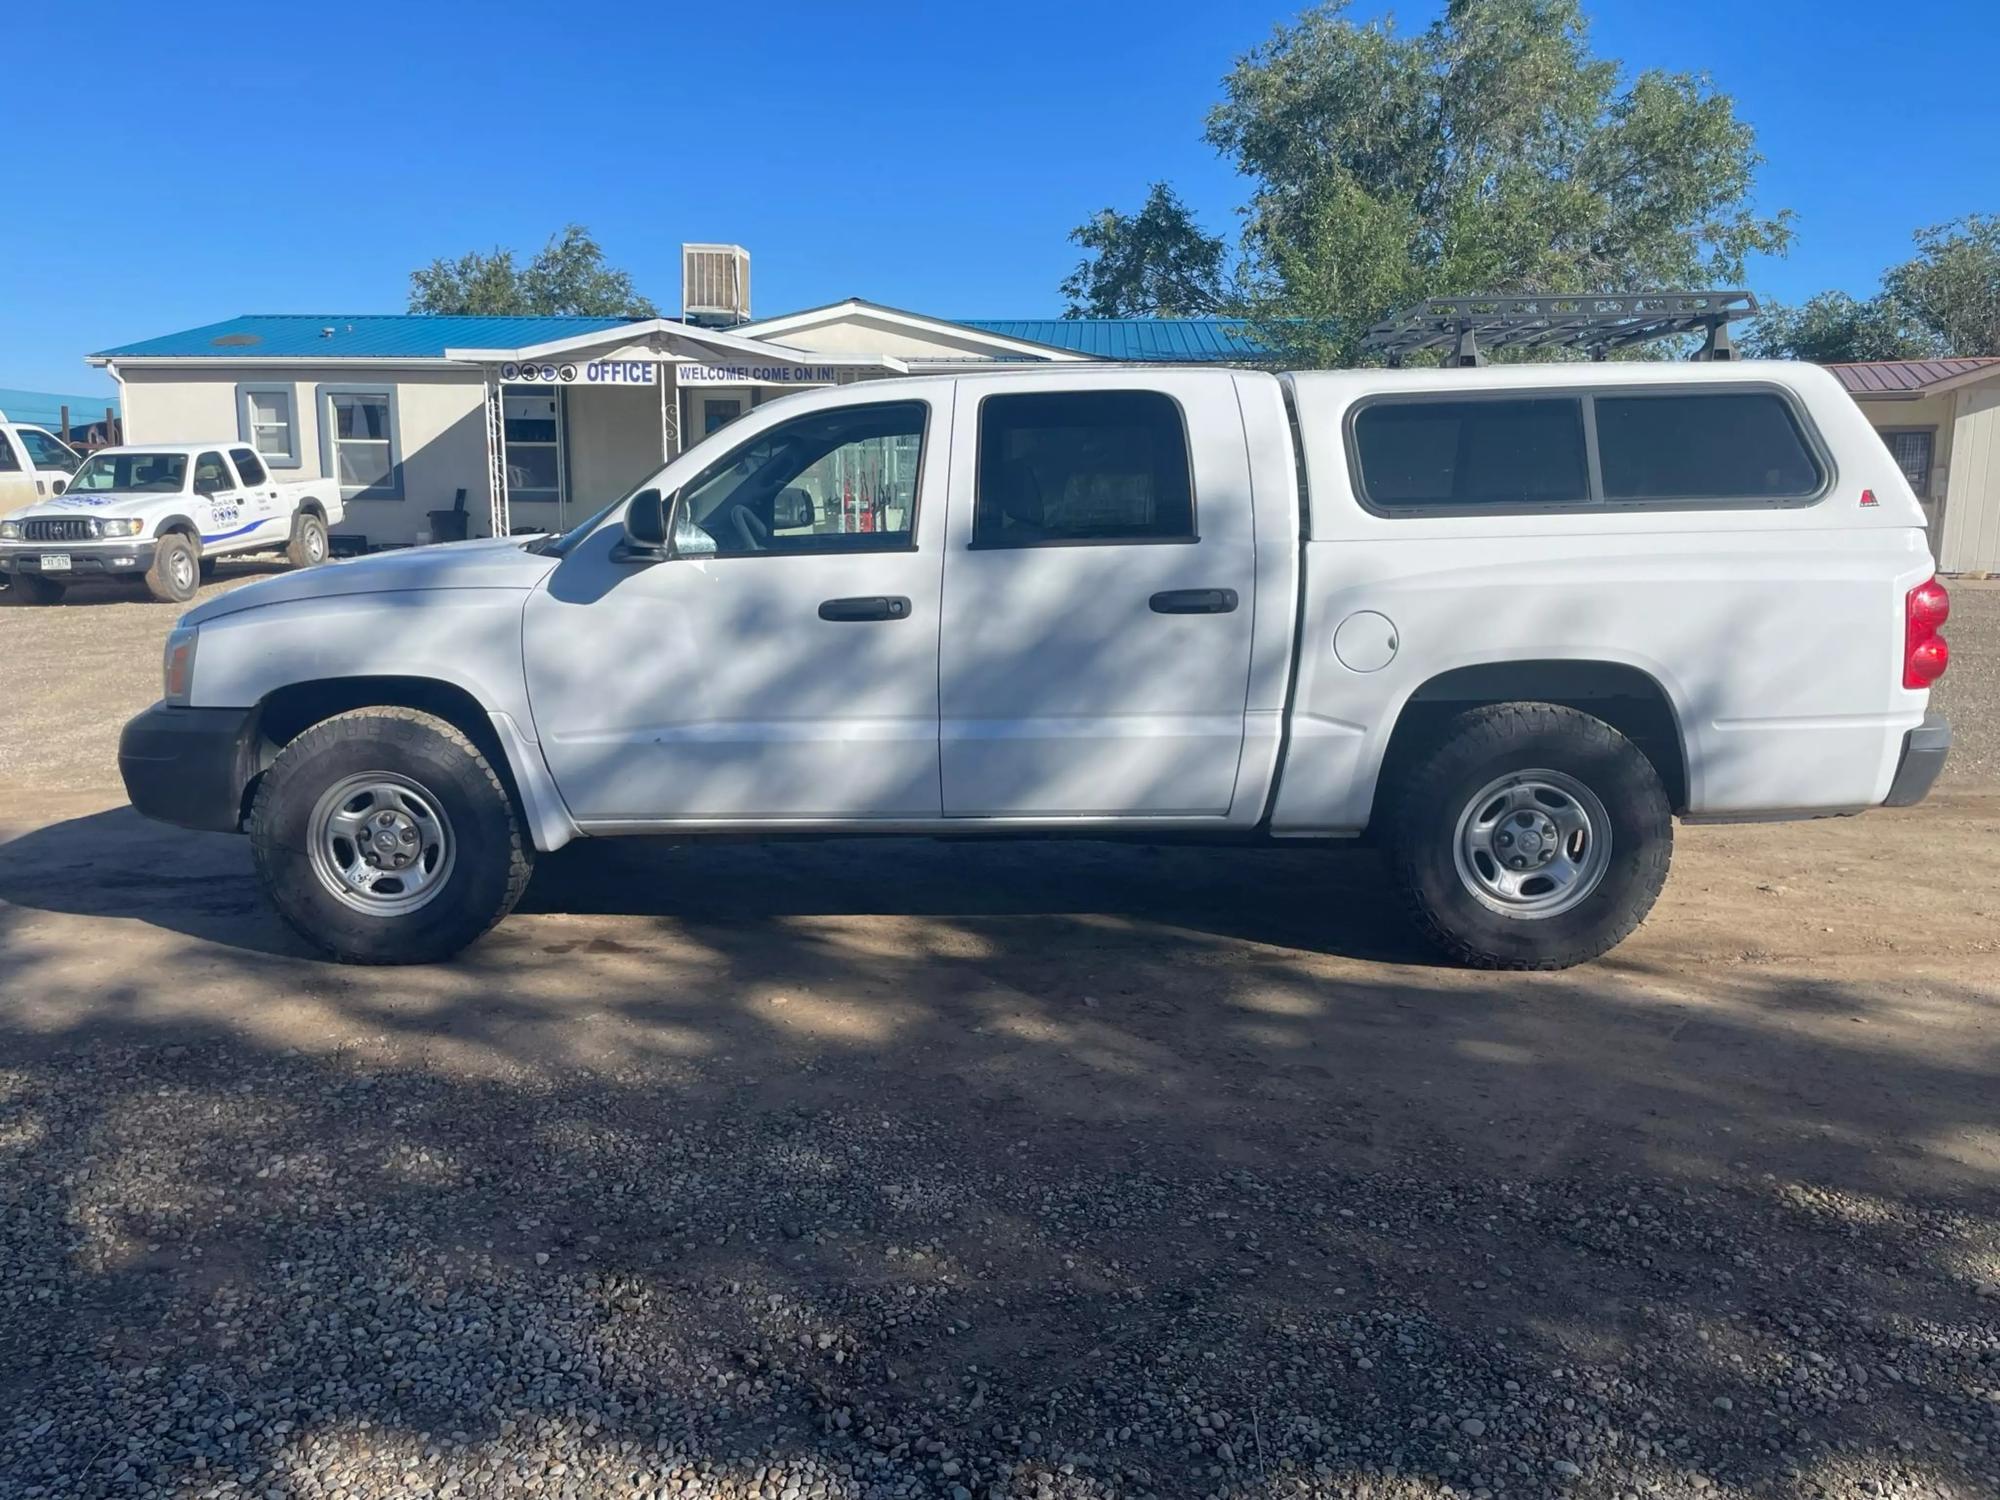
(490, 563)
(97, 502)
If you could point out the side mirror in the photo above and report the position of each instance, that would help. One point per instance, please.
(645, 530)
(59, 486)
(792, 509)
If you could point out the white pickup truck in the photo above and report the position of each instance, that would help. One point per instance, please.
(162, 512)
(1509, 621)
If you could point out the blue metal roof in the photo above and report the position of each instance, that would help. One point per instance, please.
(363, 336)
(427, 336)
(1182, 340)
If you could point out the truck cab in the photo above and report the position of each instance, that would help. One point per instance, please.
(34, 464)
(161, 513)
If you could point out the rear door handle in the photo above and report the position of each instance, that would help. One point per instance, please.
(1194, 601)
(868, 607)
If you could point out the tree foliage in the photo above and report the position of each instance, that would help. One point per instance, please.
(1155, 263)
(568, 275)
(1492, 152)
(1942, 302)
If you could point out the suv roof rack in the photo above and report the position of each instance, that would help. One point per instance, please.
(1466, 327)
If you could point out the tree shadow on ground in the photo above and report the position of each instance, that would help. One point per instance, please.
(1080, 1169)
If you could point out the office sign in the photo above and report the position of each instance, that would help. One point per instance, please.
(592, 372)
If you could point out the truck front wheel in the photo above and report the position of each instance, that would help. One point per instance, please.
(176, 570)
(1530, 837)
(384, 836)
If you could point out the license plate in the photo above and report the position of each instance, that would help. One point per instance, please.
(55, 562)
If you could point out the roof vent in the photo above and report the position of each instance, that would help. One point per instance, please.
(236, 340)
(327, 332)
(715, 285)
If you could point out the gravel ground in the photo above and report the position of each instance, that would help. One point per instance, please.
(1969, 692)
(954, 1171)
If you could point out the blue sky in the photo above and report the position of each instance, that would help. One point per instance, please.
(177, 164)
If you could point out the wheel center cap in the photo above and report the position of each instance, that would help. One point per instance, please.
(1531, 842)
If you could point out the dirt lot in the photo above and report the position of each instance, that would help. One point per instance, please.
(951, 1170)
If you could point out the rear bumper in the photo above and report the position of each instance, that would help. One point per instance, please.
(189, 766)
(94, 561)
(1924, 750)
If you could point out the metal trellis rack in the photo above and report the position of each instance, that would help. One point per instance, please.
(1468, 328)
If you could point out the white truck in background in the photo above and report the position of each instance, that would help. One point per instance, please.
(34, 464)
(1508, 622)
(163, 513)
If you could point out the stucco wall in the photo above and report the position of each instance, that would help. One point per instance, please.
(440, 427)
(614, 443)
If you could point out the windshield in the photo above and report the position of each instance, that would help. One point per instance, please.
(155, 473)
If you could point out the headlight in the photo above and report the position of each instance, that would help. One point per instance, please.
(10, 531)
(120, 528)
(177, 669)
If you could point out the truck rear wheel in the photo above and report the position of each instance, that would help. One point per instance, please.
(176, 570)
(384, 836)
(308, 544)
(1530, 837)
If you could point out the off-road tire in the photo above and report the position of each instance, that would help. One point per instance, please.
(175, 573)
(492, 857)
(308, 546)
(1428, 798)
(31, 588)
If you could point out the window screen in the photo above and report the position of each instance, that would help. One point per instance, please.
(1082, 466)
(1448, 453)
(1731, 445)
(1912, 451)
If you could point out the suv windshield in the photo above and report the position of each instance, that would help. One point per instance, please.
(159, 473)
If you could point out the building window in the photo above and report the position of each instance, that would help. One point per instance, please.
(532, 423)
(267, 419)
(359, 442)
(1082, 466)
(1912, 448)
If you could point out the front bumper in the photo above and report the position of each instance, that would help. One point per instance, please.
(189, 766)
(1924, 750)
(92, 560)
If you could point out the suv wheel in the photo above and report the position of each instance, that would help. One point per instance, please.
(176, 570)
(1530, 837)
(307, 547)
(32, 588)
(384, 836)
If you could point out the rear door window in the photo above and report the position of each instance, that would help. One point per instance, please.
(1720, 446)
(247, 466)
(1470, 454)
(1082, 466)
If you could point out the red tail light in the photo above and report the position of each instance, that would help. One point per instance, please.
(1925, 654)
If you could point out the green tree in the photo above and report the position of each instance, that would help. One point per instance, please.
(1951, 286)
(1155, 263)
(567, 276)
(1492, 152)
(1835, 328)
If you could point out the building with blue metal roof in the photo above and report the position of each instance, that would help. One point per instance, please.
(526, 423)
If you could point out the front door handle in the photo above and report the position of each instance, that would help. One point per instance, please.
(868, 607)
(1194, 602)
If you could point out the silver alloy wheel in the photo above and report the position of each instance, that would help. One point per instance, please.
(182, 569)
(380, 843)
(315, 539)
(1532, 844)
